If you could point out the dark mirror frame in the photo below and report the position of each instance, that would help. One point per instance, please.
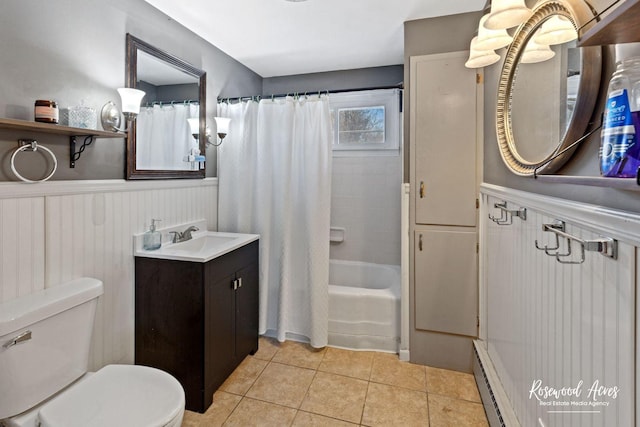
(133, 46)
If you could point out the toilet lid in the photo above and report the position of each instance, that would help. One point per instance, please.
(117, 395)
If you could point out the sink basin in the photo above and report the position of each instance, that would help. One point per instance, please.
(200, 244)
(203, 247)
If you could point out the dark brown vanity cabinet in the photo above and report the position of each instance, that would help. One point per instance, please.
(197, 321)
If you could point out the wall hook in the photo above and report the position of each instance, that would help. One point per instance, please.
(506, 215)
(605, 246)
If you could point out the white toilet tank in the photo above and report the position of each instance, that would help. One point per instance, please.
(53, 329)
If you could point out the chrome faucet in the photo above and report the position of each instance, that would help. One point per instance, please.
(184, 236)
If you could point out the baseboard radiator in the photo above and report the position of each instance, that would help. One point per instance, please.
(495, 401)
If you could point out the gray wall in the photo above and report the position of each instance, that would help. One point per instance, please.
(391, 75)
(75, 49)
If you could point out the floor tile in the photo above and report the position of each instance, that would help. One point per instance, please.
(191, 419)
(267, 348)
(282, 384)
(250, 412)
(388, 405)
(387, 369)
(244, 376)
(299, 354)
(223, 405)
(356, 364)
(459, 385)
(446, 412)
(307, 419)
(336, 396)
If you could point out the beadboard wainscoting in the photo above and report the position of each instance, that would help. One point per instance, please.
(559, 325)
(57, 231)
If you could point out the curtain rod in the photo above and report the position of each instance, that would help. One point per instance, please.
(310, 92)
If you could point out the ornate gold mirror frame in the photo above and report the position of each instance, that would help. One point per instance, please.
(578, 12)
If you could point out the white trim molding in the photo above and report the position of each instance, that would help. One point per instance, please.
(617, 224)
(15, 190)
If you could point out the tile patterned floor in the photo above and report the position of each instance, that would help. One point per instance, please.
(292, 384)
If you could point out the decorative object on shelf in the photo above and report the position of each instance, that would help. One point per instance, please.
(538, 137)
(81, 116)
(507, 14)
(32, 145)
(110, 115)
(620, 139)
(46, 111)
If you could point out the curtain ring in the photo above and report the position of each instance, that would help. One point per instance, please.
(33, 147)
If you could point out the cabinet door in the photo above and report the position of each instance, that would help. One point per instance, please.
(220, 335)
(444, 128)
(446, 281)
(246, 309)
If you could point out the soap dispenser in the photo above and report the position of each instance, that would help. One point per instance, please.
(152, 239)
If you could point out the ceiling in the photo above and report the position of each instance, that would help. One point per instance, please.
(279, 37)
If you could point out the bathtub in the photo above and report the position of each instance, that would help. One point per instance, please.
(364, 306)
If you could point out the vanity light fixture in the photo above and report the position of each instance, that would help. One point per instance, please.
(194, 125)
(491, 39)
(110, 114)
(536, 52)
(480, 58)
(507, 14)
(131, 99)
(556, 30)
(222, 127)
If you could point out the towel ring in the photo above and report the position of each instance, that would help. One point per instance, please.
(32, 146)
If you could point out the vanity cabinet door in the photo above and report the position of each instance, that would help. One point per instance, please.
(169, 322)
(220, 332)
(246, 310)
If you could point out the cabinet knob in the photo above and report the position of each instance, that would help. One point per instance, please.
(420, 243)
(422, 189)
(239, 282)
(235, 284)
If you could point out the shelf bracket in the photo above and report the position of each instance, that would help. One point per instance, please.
(75, 155)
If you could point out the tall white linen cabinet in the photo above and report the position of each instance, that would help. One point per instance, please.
(445, 132)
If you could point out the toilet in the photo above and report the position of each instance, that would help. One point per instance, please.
(44, 355)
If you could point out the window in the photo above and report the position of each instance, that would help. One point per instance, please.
(364, 125)
(367, 120)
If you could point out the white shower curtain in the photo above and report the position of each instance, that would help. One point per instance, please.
(163, 136)
(275, 180)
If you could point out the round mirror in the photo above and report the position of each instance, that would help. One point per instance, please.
(547, 89)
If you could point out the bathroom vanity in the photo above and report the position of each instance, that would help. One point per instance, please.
(196, 310)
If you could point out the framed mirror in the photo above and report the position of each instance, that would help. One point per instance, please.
(546, 93)
(161, 144)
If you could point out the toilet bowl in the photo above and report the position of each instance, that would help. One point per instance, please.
(116, 395)
(44, 346)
